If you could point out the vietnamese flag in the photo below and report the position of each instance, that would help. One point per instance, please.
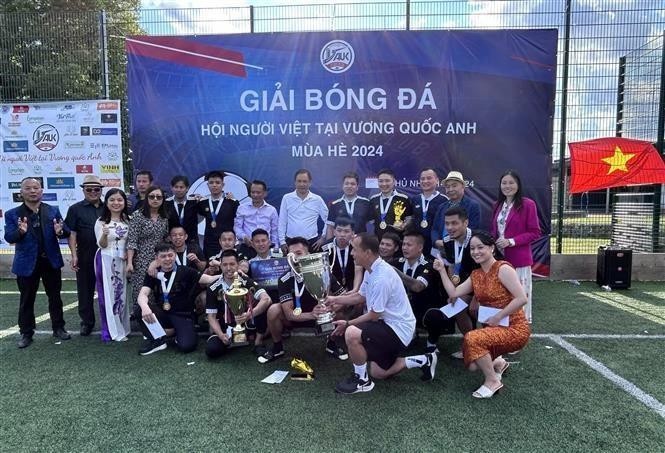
(613, 162)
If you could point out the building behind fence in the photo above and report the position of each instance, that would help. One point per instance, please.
(610, 77)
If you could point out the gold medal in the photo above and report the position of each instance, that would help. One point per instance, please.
(297, 311)
(424, 223)
(167, 306)
(213, 224)
(455, 279)
(383, 225)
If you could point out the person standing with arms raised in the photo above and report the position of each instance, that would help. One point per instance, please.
(219, 211)
(35, 228)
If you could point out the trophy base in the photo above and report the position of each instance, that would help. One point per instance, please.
(239, 338)
(325, 328)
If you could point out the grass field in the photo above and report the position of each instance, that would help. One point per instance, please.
(82, 395)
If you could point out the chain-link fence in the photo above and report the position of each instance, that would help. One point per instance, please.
(609, 77)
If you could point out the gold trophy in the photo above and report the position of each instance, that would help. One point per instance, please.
(305, 372)
(315, 271)
(236, 300)
(399, 212)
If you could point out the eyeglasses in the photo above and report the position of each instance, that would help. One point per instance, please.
(155, 197)
(93, 189)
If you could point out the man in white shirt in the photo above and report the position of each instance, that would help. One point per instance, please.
(382, 334)
(299, 213)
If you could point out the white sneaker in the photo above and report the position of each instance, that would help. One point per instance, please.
(457, 355)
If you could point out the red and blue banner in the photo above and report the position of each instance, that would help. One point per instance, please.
(261, 106)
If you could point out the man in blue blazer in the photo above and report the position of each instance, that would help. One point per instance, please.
(35, 228)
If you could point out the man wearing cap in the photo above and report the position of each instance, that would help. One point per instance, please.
(454, 184)
(81, 219)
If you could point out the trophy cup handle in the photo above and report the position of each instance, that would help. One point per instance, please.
(292, 260)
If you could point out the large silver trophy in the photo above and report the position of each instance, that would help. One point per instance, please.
(315, 271)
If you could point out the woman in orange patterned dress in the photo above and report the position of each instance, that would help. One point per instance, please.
(494, 285)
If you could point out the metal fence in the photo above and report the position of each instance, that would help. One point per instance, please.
(610, 77)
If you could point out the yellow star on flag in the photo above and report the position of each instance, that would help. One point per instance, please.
(618, 161)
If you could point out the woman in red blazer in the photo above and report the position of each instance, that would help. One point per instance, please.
(515, 226)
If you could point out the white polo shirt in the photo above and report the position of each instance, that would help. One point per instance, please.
(384, 294)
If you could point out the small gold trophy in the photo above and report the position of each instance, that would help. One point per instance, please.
(399, 212)
(305, 372)
(236, 300)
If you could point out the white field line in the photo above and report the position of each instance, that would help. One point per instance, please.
(15, 329)
(625, 385)
(39, 293)
(636, 307)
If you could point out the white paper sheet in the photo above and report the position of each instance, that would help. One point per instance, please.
(484, 313)
(276, 377)
(156, 329)
(451, 310)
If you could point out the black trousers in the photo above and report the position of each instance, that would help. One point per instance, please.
(85, 287)
(185, 334)
(28, 286)
(437, 324)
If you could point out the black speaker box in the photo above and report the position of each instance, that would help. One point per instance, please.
(614, 267)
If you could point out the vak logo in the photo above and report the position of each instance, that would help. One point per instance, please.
(45, 137)
(337, 56)
(110, 168)
(84, 169)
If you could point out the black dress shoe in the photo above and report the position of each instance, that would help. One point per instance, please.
(85, 330)
(25, 341)
(61, 334)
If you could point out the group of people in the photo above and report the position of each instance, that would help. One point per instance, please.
(397, 263)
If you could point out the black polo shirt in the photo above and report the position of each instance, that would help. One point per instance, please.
(286, 291)
(468, 264)
(344, 275)
(182, 292)
(422, 271)
(216, 302)
(191, 247)
(81, 218)
(362, 213)
(400, 200)
(224, 222)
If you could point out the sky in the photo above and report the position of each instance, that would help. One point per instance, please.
(602, 31)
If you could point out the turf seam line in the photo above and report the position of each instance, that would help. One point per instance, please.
(15, 329)
(627, 386)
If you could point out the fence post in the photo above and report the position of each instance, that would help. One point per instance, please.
(562, 136)
(251, 18)
(660, 146)
(104, 54)
(408, 14)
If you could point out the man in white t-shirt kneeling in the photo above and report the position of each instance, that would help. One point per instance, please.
(383, 332)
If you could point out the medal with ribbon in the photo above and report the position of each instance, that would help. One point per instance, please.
(459, 252)
(297, 292)
(214, 212)
(384, 209)
(350, 206)
(180, 212)
(343, 261)
(182, 262)
(166, 289)
(425, 201)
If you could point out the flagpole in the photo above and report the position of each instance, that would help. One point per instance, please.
(660, 146)
(562, 137)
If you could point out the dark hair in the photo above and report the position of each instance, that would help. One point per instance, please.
(484, 237)
(39, 180)
(106, 212)
(428, 169)
(386, 171)
(368, 242)
(177, 226)
(351, 174)
(163, 247)
(258, 182)
(302, 171)
(147, 173)
(260, 231)
(297, 240)
(343, 221)
(392, 237)
(229, 252)
(415, 234)
(227, 231)
(458, 211)
(215, 174)
(179, 178)
(517, 199)
(145, 210)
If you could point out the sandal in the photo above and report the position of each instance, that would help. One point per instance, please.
(499, 374)
(484, 392)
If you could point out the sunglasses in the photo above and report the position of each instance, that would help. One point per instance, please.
(155, 197)
(93, 189)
